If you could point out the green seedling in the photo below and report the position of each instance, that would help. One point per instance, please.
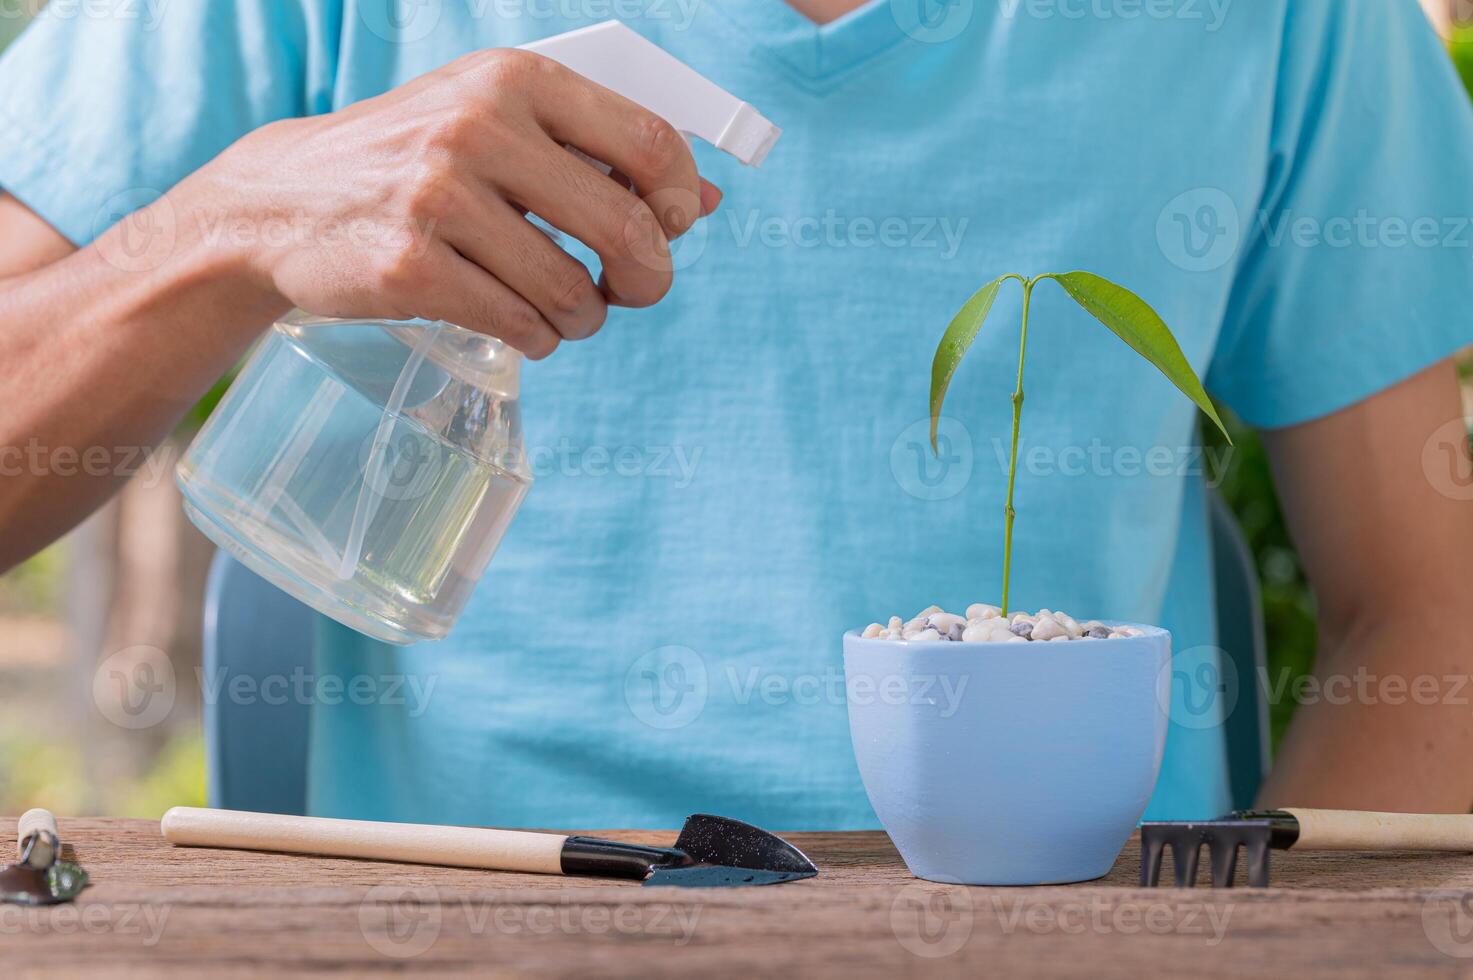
(1126, 314)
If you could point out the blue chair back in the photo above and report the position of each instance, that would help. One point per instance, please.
(256, 750)
(255, 733)
(1240, 634)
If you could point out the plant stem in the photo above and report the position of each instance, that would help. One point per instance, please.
(1009, 514)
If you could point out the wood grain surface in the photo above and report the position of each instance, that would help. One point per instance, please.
(157, 910)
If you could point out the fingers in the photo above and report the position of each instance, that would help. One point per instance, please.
(498, 239)
(467, 296)
(632, 140)
(520, 114)
(575, 198)
(630, 232)
(710, 197)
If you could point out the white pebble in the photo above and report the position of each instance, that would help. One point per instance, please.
(943, 622)
(1047, 628)
(985, 623)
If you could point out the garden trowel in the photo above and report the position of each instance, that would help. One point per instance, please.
(711, 852)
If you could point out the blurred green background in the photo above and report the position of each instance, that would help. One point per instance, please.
(1462, 48)
(11, 23)
(48, 719)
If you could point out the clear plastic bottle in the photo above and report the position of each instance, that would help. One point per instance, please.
(369, 468)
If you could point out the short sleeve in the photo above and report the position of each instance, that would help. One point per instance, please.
(1357, 269)
(107, 105)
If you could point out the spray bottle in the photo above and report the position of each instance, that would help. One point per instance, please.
(369, 468)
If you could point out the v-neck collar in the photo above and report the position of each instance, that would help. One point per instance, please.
(815, 50)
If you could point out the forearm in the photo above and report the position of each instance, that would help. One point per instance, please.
(104, 352)
(1386, 722)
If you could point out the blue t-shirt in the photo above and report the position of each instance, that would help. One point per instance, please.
(729, 480)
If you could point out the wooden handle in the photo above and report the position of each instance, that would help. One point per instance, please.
(1350, 830)
(40, 824)
(458, 847)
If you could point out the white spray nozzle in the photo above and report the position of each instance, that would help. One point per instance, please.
(619, 59)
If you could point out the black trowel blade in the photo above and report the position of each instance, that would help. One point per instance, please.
(717, 876)
(730, 853)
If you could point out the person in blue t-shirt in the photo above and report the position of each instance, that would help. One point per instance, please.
(1286, 181)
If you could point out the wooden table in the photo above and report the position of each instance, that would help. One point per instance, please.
(154, 909)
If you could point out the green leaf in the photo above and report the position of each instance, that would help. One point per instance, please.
(1133, 321)
(955, 342)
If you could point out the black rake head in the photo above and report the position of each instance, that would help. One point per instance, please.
(1222, 837)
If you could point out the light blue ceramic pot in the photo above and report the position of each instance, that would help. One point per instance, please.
(1009, 763)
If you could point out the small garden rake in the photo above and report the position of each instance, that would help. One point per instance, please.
(1259, 832)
